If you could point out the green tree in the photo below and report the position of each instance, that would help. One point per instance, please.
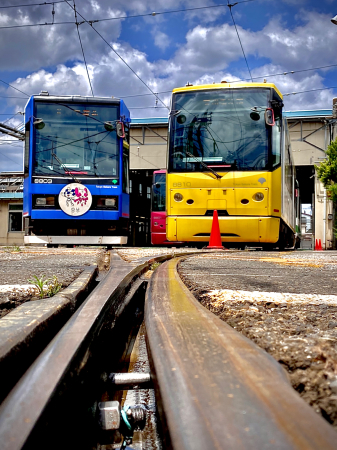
(327, 171)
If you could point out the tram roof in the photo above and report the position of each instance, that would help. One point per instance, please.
(74, 98)
(227, 85)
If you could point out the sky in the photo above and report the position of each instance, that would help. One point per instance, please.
(138, 47)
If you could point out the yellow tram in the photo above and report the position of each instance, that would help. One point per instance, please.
(229, 150)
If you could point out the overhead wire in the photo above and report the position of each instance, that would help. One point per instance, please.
(4, 154)
(5, 82)
(291, 72)
(31, 25)
(230, 6)
(310, 90)
(119, 56)
(31, 4)
(79, 37)
(154, 13)
(123, 17)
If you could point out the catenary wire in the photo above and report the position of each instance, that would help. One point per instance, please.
(4, 154)
(79, 37)
(310, 90)
(122, 17)
(119, 56)
(237, 32)
(31, 4)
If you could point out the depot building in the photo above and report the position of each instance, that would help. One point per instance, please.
(310, 131)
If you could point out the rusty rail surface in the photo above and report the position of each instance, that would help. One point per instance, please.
(215, 388)
(51, 405)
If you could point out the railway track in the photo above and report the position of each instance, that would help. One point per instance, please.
(214, 388)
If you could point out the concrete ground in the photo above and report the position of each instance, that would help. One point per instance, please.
(20, 264)
(286, 302)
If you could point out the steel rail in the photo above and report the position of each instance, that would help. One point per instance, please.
(50, 406)
(215, 388)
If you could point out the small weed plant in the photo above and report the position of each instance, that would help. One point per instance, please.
(14, 248)
(47, 287)
(155, 265)
(53, 287)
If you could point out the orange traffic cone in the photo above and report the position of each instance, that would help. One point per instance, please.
(320, 245)
(215, 238)
(316, 245)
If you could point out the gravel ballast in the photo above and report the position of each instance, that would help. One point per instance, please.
(18, 265)
(286, 304)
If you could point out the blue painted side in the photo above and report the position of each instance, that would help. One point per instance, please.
(90, 215)
(125, 205)
(124, 112)
(27, 198)
(31, 188)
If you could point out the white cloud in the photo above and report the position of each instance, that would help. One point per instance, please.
(204, 58)
(161, 39)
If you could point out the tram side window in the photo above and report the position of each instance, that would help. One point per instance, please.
(126, 182)
(27, 138)
(276, 142)
(288, 166)
(15, 217)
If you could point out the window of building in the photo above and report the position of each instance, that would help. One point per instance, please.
(15, 216)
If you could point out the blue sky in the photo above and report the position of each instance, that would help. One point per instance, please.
(165, 50)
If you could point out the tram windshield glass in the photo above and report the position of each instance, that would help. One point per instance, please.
(222, 129)
(74, 140)
(158, 192)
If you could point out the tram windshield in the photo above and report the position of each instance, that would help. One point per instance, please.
(158, 192)
(224, 129)
(74, 140)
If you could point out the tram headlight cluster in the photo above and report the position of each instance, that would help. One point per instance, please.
(258, 197)
(44, 201)
(107, 202)
(178, 197)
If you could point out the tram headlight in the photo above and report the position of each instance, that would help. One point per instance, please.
(178, 197)
(107, 202)
(40, 201)
(110, 202)
(258, 197)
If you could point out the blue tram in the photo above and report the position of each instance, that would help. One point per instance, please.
(76, 170)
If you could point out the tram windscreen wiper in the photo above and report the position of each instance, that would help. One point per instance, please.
(204, 165)
(64, 167)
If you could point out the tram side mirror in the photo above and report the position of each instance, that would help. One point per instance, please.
(181, 119)
(269, 117)
(255, 115)
(109, 126)
(157, 185)
(39, 124)
(120, 130)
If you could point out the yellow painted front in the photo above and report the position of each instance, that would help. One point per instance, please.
(248, 219)
(232, 229)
